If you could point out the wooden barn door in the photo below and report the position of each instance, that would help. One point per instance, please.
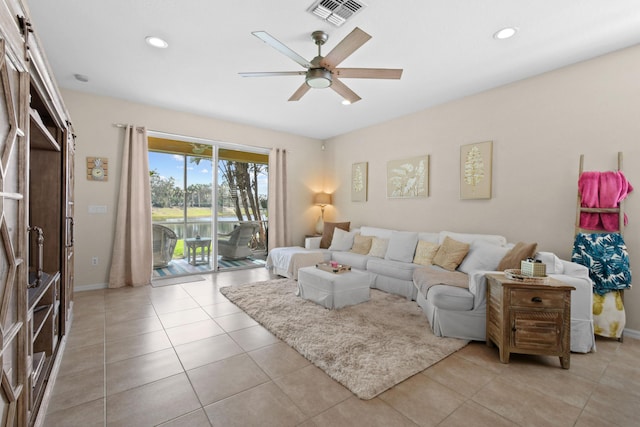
(14, 387)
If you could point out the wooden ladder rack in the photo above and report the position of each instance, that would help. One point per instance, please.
(619, 210)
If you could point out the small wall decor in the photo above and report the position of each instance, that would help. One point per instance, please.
(359, 176)
(97, 168)
(408, 178)
(475, 170)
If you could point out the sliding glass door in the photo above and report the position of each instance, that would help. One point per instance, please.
(242, 208)
(192, 222)
(181, 179)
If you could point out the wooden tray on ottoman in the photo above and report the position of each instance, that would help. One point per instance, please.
(338, 269)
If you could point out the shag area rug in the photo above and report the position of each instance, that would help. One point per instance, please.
(368, 347)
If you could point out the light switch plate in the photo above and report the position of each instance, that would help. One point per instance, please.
(97, 209)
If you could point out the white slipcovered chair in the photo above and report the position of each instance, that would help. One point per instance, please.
(235, 245)
(164, 243)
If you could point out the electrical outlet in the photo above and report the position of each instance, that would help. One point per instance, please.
(94, 260)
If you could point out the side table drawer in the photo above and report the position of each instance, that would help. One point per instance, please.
(535, 298)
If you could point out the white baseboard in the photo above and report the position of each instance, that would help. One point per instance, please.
(632, 333)
(90, 287)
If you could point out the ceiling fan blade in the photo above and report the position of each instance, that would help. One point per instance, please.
(368, 73)
(273, 73)
(344, 91)
(304, 88)
(280, 47)
(346, 47)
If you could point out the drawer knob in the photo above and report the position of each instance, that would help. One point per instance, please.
(536, 299)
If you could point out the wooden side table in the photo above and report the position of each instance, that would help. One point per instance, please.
(529, 318)
(192, 245)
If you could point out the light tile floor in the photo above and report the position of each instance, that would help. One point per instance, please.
(183, 355)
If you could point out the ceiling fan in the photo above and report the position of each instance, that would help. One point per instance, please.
(321, 71)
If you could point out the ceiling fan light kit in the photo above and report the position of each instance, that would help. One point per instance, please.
(318, 78)
(322, 71)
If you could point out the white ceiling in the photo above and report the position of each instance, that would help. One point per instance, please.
(445, 47)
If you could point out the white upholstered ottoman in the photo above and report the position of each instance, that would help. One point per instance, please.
(333, 290)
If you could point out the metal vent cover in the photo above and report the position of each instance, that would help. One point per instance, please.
(336, 12)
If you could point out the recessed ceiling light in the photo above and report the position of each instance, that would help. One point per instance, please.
(346, 102)
(156, 42)
(505, 33)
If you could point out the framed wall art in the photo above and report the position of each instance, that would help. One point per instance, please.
(359, 177)
(408, 178)
(475, 170)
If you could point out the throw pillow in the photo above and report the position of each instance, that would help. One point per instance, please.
(450, 254)
(425, 251)
(361, 244)
(327, 233)
(402, 246)
(378, 247)
(483, 256)
(342, 240)
(519, 252)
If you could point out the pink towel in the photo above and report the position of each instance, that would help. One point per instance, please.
(588, 185)
(614, 187)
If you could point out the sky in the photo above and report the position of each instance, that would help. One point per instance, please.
(172, 165)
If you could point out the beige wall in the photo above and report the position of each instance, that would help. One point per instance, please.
(93, 118)
(539, 128)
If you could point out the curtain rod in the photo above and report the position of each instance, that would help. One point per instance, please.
(123, 125)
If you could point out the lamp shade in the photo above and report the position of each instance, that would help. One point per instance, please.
(322, 199)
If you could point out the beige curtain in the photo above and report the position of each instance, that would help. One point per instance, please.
(132, 258)
(278, 204)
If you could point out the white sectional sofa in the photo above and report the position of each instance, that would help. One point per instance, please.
(453, 301)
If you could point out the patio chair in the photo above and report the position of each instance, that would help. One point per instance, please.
(235, 245)
(164, 243)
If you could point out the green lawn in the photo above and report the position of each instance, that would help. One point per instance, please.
(163, 214)
(178, 252)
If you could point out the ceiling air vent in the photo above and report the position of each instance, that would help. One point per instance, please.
(336, 12)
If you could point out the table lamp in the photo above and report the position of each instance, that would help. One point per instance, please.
(322, 200)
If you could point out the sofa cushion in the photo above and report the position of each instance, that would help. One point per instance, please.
(450, 253)
(519, 252)
(378, 247)
(551, 261)
(395, 269)
(342, 240)
(450, 298)
(470, 237)
(425, 251)
(384, 233)
(402, 246)
(327, 233)
(357, 261)
(429, 237)
(361, 244)
(482, 256)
